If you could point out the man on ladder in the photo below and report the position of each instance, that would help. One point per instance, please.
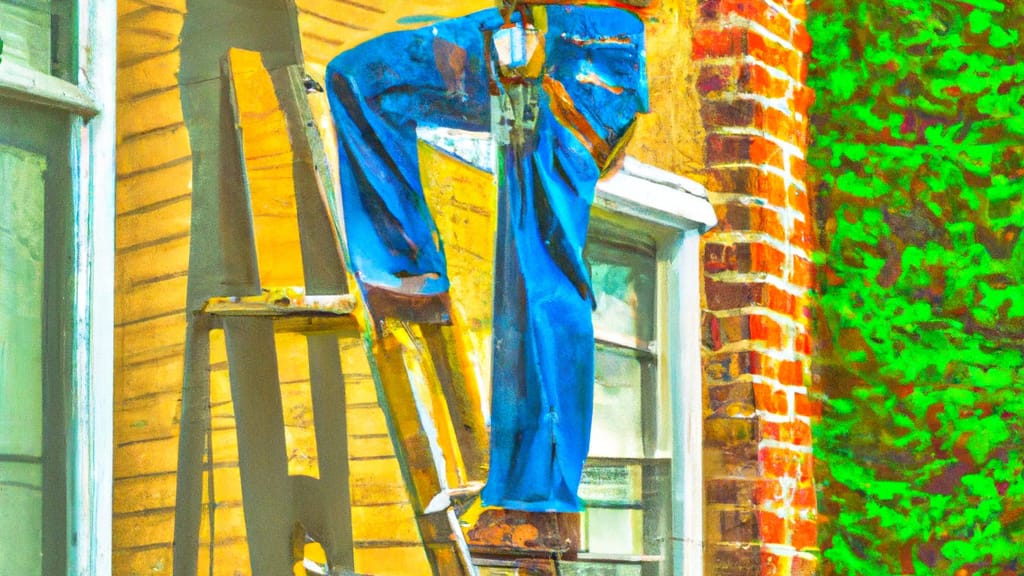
(559, 88)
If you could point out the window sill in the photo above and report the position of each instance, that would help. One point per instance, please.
(21, 83)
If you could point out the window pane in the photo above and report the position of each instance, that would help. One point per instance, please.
(38, 34)
(623, 277)
(611, 484)
(22, 193)
(619, 381)
(613, 531)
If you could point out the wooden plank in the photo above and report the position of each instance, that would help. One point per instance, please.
(409, 420)
(277, 303)
(261, 443)
(322, 259)
(328, 516)
(263, 139)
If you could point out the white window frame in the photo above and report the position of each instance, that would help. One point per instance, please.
(91, 102)
(674, 210)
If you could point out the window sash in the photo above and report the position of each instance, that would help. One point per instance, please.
(81, 88)
(47, 134)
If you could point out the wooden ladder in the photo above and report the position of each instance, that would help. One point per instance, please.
(433, 414)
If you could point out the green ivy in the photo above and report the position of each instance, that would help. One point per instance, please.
(918, 161)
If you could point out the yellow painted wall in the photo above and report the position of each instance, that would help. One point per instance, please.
(154, 174)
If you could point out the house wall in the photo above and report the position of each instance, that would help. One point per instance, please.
(154, 166)
(759, 487)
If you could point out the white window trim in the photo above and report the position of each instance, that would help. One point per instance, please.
(90, 439)
(90, 466)
(676, 211)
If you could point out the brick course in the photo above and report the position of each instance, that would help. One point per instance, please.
(759, 490)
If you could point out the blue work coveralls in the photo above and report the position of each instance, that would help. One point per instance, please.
(592, 86)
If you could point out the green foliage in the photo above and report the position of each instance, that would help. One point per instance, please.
(918, 156)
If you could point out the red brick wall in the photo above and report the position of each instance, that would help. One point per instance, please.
(760, 502)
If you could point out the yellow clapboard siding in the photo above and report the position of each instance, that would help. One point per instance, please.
(139, 562)
(136, 494)
(152, 21)
(321, 49)
(136, 47)
(390, 522)
(359, 389)
(153, 110)
(366, 420)
(142, 263)
(292, 357)
(126, 7)
(370, 447)
(151, 339)
(149, 529)
(231, 558)
(164, 220)
(155, 527)
(150, 301)
(376, 481)
(152, 150)
(392, 561)
(144, 458)
(150, 188)
(146, 380)
(155, 74)
(229, 520)
(147, 31)
(326, 29)
(153, 166)
(154, 419)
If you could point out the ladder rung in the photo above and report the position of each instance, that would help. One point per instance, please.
(291, 313)
(302, 306)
